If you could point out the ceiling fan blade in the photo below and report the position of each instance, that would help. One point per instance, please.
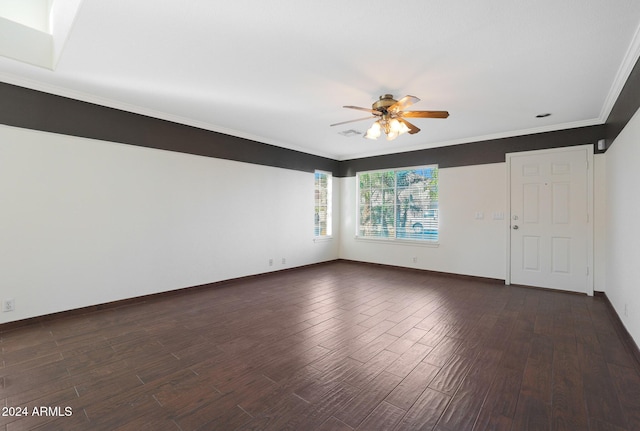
(374, 112)
(351, 121)
(412, 129)
(424, 114)
(403, 103)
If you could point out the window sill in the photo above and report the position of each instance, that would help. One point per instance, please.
(322, 238)
(412, 242)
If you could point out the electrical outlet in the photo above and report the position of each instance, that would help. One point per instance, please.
(270, 262)
(414, 259)
(8, 305)
(284, 261)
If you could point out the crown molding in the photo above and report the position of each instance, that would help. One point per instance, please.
(628, 63)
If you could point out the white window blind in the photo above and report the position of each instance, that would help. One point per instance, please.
(323, 183)
(399, 204)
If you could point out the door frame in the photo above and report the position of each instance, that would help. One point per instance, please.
(588, 149)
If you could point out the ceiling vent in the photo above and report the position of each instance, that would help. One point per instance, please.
(349, 133)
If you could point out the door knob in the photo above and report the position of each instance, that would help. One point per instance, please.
(515, 227)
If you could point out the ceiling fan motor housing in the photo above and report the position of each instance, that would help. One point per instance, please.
(385, 102)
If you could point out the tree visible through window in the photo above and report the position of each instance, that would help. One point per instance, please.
(322, 204)
(399, 204)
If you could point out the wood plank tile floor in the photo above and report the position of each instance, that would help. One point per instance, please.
(338, 346)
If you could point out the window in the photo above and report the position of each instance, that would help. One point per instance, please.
(323, 204)
(399, 204)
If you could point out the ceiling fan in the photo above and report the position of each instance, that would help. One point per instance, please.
(391, 114)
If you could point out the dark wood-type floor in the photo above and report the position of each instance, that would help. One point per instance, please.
(339, 346)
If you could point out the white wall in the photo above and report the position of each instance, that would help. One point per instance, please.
(599, 222)
(468, 245)
(623, 229)
(84, 222)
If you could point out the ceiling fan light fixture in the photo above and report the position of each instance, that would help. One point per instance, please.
(374, 131)
(401, 127)
(393, 127)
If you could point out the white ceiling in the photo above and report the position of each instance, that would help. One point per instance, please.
(280, 71)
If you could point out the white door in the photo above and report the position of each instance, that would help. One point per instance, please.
(550, 240)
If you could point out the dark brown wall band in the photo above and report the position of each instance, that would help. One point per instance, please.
(476, 153)
(626, 105)
(31, 109)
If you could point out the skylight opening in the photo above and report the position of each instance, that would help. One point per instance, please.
(35, 31)
(35, 14)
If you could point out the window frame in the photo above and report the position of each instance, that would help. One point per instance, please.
(395, 238)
